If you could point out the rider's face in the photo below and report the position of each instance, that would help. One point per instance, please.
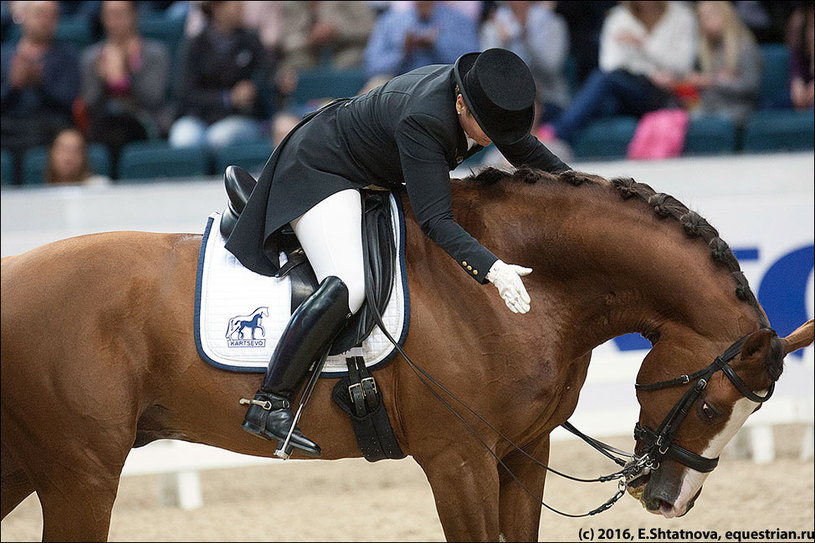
(469, 124)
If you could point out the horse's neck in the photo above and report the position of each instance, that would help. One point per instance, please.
(605, 267)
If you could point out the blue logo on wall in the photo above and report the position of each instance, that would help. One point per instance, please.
(237, 325)
(781, 292)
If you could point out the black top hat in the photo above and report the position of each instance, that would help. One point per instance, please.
(499, 91)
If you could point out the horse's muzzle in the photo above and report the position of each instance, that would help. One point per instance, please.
(659, 501)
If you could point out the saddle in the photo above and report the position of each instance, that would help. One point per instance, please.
(356, 394)
(378, 250)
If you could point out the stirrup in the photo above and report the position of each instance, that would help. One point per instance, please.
(266, 404)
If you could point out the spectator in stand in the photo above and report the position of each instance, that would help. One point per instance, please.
(729, 63)
(332, 33)
(540, 37)
(40, 81)
(426, 33)
(645, 49)
(264, 17)
(800, 38)
(68, 161)
(124, 81)
(766, 19)
(222, 100)
(584, 20)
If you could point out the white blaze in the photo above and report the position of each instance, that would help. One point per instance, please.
(693, 480)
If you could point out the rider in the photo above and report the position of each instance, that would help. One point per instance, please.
(409, 132)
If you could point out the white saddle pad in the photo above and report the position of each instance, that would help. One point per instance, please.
(240, 315)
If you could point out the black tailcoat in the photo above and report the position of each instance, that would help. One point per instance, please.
(404, 133)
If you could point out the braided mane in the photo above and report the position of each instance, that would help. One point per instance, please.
(663, 205)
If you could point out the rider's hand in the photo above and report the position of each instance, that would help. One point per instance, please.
(507, 279)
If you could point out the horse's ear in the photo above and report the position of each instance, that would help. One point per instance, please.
(756, 342)
(800, 338)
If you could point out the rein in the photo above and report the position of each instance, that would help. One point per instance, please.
(629, 469)
(660, 441)
(632, 470)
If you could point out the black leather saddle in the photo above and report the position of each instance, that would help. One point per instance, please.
(378, 249)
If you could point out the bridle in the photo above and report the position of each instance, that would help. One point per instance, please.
(660, 442)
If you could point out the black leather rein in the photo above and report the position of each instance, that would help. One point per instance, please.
(660, 441)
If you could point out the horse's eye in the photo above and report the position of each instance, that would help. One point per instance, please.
(708, 412)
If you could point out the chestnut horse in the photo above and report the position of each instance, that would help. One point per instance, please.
(98, 354)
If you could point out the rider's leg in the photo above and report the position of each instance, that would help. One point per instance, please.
(330, 234)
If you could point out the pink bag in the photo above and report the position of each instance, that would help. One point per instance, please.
(659, 134)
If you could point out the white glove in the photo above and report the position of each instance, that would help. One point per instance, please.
(507, 279)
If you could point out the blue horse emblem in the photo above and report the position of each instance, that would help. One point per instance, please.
(252, 321)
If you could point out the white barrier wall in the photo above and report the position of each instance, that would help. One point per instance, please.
(761, 204)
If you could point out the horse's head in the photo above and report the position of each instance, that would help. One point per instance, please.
(686, 420)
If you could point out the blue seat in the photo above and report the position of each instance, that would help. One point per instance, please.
(74, 31)
(605, 138)
(779, 130)
(322, 83)
(166, 30)
(7, 164)
(249, 156)
(145, 161)
(35, 161)
(710, 136)
(774, 75)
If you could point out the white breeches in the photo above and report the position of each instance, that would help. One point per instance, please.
(331, 236)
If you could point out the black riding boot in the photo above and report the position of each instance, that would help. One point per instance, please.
(312, 328)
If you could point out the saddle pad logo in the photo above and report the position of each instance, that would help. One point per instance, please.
(237, 325)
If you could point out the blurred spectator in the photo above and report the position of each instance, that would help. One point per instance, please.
(765, 19)
(426, 33)
(645, 49)
(282, 124)
(801, 35)
(40, 81)
(539, 36)
(584, 20)
(264, 17)
(474, 10)
(124, 81)
(226, 73)
(729, 64)
(329, 33)
(68, 161)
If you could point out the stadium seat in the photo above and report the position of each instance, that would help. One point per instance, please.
(327, 83)
(249, 156)
(74, 31)
(145, 161)
(7, 164)
(100, 160)
(167, 31)
(774, 76)
(605, 138)
(779, 130)
(36, 159)
(710, 136)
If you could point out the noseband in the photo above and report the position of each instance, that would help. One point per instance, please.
(660, 441)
